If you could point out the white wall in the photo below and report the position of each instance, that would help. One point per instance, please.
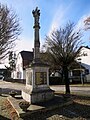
(85, 60)
(88, 78)
(19, 67)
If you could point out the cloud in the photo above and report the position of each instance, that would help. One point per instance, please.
(80, 24)
(24, 44)
(59, 17)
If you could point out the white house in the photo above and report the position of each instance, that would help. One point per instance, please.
(81, 68)
(84, 59)
(24, 58)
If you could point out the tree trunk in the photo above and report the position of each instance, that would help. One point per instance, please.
(66, 79)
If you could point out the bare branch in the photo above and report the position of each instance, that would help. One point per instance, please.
(9, 30)
(87, 23)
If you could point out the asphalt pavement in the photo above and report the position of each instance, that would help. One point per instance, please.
(8, 86)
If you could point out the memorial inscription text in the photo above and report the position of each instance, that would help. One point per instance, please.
(41, 78)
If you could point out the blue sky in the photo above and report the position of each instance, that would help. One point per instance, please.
(54, 13)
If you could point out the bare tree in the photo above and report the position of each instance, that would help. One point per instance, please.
(9, 30)
(12, 60)
(63, 48)
(87, 23)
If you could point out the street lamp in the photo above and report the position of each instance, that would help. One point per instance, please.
(79, 60)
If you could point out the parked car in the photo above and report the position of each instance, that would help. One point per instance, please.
(1, 77)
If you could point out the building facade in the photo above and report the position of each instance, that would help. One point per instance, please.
(24, 58)
(84, 60)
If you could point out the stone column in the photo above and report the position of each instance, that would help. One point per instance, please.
(36, 15)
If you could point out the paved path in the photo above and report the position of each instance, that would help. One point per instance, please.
(76, 89)
(8, 86)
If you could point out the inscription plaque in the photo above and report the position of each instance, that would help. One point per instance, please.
(29, 78)
(41, 78)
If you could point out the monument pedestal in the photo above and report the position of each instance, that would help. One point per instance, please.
(39, 96)
(37, 85)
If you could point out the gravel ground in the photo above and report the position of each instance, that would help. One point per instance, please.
(79, 110)
(4, 114)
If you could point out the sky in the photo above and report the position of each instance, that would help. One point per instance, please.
(53, 14)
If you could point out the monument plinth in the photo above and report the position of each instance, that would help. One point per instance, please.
(37, 76)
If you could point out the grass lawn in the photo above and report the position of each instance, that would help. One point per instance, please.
(79, 110)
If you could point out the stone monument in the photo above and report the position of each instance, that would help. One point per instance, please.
(37, 75)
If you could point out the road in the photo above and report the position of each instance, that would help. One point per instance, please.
(8, 86)
(84, 90)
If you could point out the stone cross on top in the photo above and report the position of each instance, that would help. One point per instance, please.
(36, 15)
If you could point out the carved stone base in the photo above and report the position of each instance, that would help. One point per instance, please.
(36, 97)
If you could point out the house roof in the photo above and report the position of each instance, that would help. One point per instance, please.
(27, 55)
(84, 47)
(77, 65)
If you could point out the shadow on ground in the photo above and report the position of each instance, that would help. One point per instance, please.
(75, 111)
(3, 118)
(7, 90)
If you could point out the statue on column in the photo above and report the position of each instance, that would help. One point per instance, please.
(36, 14)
